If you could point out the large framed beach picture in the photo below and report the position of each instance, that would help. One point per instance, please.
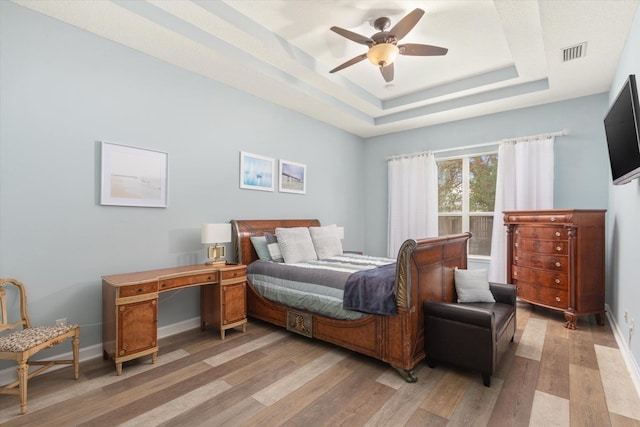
(256, 172)
(133, 176)
(293, 177)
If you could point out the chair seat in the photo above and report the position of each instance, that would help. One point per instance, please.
(25, 339)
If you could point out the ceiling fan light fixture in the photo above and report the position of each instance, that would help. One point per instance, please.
(383, 54)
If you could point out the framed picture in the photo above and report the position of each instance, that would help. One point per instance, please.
(293, 177)
(133, 176)
(256, 172)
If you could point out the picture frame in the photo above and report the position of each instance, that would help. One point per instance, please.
(133, 176)
(293, 177)
(256, 172)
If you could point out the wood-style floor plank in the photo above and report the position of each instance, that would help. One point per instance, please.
(267, 376)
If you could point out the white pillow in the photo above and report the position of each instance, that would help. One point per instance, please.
(472, 285)
(274, 252)
(296, 244)
(326, 241)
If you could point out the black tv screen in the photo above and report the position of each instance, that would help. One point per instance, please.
(621, 127)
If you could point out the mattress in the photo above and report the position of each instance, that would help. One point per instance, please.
(316, 286)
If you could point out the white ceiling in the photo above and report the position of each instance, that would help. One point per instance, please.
(503, 54)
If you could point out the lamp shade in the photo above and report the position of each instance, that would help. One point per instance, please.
(216, 233)
(383, 54)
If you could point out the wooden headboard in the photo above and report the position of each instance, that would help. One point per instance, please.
(243, 230)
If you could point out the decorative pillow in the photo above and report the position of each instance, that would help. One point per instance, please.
(472, 286)
(326, 241)
(260, 245)
(273, 247)
(274, 252)
(296, 244)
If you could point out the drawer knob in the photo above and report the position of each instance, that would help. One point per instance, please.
(558, 248)
(516, 258)
(517, 231)
(557, 234)
(515, 273)
(517, 245)
(558, 264)
(558, 299)
(558, 281)
(553, 218)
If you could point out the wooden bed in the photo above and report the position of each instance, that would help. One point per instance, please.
(424, 272)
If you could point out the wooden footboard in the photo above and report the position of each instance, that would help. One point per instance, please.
(424, 271)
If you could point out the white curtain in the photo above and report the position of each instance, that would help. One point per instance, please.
(524, 182)
(413, 200)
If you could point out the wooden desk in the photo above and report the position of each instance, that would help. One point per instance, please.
(130, 306)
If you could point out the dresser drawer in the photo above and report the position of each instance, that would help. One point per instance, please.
(558, 247)
(139, 289)
(196, 279)
(548, 218)
(546, 262)
(551, 297)
(545, 233)
(232, 274)
(550, 279)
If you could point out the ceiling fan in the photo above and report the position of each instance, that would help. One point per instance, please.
(383, 46)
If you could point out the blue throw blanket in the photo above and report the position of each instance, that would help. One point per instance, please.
(371, 291)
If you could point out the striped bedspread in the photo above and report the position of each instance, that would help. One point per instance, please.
(316, 286)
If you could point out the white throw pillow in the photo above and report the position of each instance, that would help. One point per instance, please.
(473, 286)
(296, 244)
(326, 241)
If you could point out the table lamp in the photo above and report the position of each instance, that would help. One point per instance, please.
(213, 235)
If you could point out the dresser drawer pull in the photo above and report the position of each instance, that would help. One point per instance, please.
(557, 234)
(553, 218)
(516, 258)
(558, 264)
(516, 245)
(558, 281)
(558, 248)
(515, 273)
(517, 231)
(558, 299)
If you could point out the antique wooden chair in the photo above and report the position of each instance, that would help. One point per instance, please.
(21, 344)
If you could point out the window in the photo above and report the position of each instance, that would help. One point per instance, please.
(466, 198)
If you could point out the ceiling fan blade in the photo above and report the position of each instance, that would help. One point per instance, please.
(349, 62)
(407, 23)
(421, 50)
(387, 72)
(352, 36)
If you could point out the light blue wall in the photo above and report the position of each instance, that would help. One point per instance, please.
(64, 89)
(624, 219)
(581, 173)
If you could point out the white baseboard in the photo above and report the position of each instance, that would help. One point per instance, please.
(629, 360)
(9, 375)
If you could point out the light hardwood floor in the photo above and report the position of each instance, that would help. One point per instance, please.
(551, 376)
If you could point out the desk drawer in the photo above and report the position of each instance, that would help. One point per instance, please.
(197, 279)
(139, 289)
(232, 274)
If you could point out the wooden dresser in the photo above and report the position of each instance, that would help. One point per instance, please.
(556, 260)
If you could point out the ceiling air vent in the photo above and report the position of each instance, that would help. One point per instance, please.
(574, 52)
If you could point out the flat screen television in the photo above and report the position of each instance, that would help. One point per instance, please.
(623, 129)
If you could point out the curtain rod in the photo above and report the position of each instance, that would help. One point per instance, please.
(486, 144)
